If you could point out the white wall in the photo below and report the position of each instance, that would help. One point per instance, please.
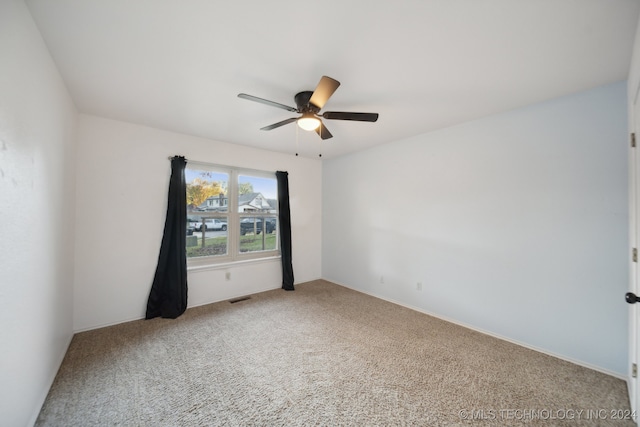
(515, 224)
(37, 155)
(123, 177)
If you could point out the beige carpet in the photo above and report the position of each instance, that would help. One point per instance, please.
(322, 355)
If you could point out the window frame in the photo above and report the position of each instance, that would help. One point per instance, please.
(234, 217)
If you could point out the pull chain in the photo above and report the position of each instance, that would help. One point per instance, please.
(320, 155)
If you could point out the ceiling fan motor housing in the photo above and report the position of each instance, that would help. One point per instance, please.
(302, 101)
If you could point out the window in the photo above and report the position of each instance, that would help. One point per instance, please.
(218, 234)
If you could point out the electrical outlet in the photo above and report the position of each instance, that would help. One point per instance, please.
(227, 275)
(381, 279)
(419, 286)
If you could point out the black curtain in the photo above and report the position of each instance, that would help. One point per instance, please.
(168, 296)
(284, 215)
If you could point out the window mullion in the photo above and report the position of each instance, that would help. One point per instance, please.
(233, 236)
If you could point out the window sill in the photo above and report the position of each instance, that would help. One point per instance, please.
(225, 265)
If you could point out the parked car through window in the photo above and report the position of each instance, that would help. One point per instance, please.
(210, 224)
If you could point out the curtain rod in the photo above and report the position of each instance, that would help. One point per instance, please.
(222, 166)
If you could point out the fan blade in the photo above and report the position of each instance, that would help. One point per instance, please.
(359, 117)
(323, 131)
(323, 91)
(267, 102)
(282, 123)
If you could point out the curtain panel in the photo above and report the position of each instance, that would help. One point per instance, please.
(284, 213)
(168, 296)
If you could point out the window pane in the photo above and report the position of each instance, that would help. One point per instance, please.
(206, 191)
(252, 238)
(257, 194)
(207, 199)
(207, 236)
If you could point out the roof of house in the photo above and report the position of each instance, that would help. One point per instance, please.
(244, 199)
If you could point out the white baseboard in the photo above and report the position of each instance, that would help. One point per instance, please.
(489, 333)
(106, 325)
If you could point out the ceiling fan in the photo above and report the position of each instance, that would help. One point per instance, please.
(309, 105)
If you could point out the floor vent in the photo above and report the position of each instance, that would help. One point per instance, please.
(235, 300)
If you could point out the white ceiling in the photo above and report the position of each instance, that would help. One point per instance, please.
(421, 64)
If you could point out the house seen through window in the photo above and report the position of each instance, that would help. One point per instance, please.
(232, 214)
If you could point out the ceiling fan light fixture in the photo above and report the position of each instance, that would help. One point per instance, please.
(308, 122)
